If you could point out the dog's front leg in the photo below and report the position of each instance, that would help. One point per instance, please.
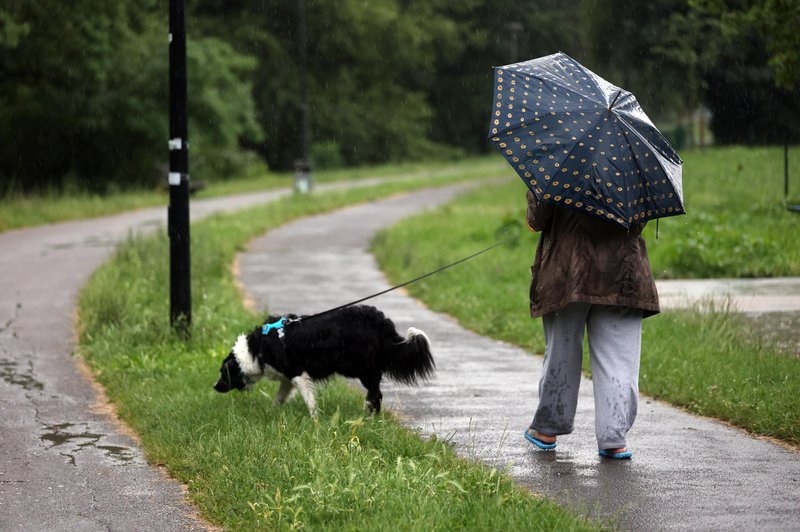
(306, 388)
(284, 391)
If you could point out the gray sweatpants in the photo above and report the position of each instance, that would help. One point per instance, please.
(615, 339)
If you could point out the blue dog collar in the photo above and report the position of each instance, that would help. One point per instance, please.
(276, 325)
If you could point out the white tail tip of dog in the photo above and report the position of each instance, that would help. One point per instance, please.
(413, 331)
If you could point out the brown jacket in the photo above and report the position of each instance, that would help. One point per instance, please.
(587, 259)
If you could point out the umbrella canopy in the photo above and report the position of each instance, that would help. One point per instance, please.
(578, 141)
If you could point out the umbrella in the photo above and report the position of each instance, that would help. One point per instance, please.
(578, 141)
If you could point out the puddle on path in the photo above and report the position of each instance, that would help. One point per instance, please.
(75, 440)
(11, 373)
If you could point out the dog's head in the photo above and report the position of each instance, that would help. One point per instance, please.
(240, 368)
(231, 376)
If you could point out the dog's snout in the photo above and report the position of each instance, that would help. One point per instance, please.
(222, 386)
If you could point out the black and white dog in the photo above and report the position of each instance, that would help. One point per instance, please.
(357, 341)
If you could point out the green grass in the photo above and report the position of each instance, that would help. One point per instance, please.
(48, 207)
(737, 224)
(722, 369)
(248, 465)
(44, 208)
(719, 367)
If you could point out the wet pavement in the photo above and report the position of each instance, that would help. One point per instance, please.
(65, 463)
(750, 296)
(687, 472)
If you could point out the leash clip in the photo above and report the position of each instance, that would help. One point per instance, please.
(278, 326)
(275, 325)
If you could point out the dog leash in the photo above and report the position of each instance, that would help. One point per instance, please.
(284, 321)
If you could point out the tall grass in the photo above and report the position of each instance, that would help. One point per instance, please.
(718, 367)
(251, 466)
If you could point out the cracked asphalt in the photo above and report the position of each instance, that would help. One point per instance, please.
(687, 472)
(65, 462)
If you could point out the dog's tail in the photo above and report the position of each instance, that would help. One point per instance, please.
(411, 359)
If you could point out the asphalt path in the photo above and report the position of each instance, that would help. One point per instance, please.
(687, 472)
(65, 462)
(749, 296)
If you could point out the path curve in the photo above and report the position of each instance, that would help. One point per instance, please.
(485, 391)
(65, 463)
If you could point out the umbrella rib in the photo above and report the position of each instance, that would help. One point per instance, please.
(633, 155)
(641, 138)
(575, 144)
(518, 124)
(573, 91)
(627, 116)
(540, 154)
(654, 151)
(565, 83)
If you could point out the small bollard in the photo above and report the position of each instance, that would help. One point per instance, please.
(302, 177)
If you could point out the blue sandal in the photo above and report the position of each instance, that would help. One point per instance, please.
(624, 455)
(539, 443)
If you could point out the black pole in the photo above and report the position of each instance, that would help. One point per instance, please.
(180, 300)
(786, 170)
(302, 166)
(303, 82)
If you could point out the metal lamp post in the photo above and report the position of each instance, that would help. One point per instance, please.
(302, 166)
(178, 214)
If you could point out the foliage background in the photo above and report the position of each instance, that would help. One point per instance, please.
(83, 91)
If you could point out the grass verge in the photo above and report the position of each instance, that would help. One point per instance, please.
(250, 466)
(24, 211)
(719, 368)
(737, 223)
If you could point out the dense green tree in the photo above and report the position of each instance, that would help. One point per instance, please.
(625, 44)
(485, 35)
(747, 107)
(730, 55)
(84, 94)
(83, 85)
(774, 21)
(370, 65)
(11, 30)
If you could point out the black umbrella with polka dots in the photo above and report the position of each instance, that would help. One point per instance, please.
(580, 142)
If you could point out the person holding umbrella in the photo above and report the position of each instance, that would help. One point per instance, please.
(591, 275)
(597, 170)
